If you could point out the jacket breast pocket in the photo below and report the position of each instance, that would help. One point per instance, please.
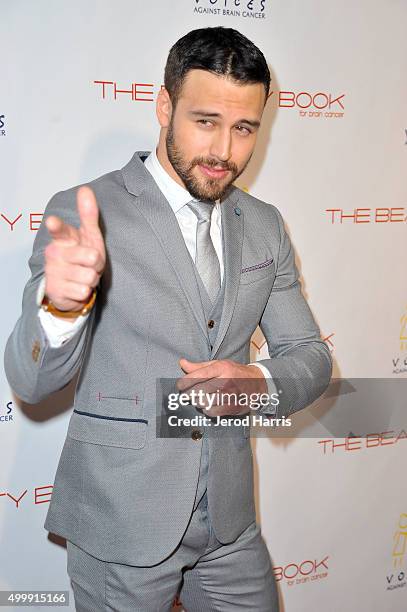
(107, 430)
(257, 271)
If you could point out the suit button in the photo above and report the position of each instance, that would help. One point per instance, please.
(35, 351)
(196, 434)
(211, 323)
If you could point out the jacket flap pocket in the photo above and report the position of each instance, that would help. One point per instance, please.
(107, 430)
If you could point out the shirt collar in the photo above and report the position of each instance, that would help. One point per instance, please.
(176, 195)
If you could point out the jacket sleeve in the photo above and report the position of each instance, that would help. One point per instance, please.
(300, 362)
(33, 368)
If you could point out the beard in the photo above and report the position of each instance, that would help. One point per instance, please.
(205, 188)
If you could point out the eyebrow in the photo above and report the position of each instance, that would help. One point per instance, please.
(196, 113)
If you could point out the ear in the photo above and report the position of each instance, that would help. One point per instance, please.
(164, 108)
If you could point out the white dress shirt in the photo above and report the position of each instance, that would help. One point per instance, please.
(59, 331)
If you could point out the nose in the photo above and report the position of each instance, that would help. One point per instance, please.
(221, 146)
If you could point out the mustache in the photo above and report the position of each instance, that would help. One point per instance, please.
(213, 163)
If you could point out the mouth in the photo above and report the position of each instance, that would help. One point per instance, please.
(213, 172)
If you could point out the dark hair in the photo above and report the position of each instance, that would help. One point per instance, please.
(219, 50)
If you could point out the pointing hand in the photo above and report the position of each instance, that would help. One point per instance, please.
(76, 257)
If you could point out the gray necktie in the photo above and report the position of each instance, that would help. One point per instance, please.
(206, 260)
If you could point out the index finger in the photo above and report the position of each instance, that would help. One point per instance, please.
(208, 372)
(59, 230)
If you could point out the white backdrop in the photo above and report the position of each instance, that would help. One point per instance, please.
(331, 156)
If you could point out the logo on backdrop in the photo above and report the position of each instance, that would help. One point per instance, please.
(339, 216)
(319, 104)
(355, 442)
(246, 9)
(400, 361)
(258, 342)
(299, 573)
(2, 125)
(31, 221)
(136, 92)
(329, 341)
(40, 495)
(6, 415)
(396, 579)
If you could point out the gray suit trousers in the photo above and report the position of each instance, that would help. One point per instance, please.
(207, 575)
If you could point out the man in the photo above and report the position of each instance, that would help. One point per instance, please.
(186, 267)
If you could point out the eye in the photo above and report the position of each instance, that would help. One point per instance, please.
(243, 130)
(204, 122)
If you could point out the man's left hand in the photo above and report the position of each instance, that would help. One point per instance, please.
(223, 376)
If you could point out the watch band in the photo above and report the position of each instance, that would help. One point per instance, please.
(48, 306)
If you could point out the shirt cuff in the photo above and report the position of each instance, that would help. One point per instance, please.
(271, 407)
(59, 331)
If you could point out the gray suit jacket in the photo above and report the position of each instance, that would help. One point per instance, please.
(120, 492)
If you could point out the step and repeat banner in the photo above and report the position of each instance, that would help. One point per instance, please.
(77, 98)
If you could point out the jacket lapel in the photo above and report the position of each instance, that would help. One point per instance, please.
(232, 234)
(159, 214)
